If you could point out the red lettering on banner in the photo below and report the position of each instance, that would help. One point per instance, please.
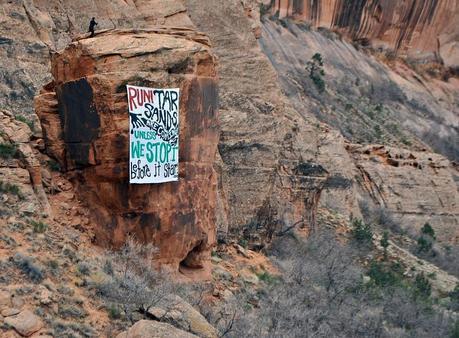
(138, 97)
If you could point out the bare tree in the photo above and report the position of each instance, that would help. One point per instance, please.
(132, 283)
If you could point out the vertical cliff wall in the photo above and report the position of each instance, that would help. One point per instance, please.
(418, 29)
(84, 115)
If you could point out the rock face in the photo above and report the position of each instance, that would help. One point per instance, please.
(84, 115)
(419, 29)
(22, 169)
(367, 101)
(176, 311)
(269, 177)
(292, 157)
(417, 187)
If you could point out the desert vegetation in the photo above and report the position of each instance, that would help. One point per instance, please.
(421, 243)
(324, 292)
(315, 68)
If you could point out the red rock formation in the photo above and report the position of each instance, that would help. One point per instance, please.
(84, 115)
(418, 29)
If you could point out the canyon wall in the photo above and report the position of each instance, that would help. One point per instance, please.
(402, 120)
(269, 174)
(31, 29)
(418, 29)
(367, 100)
(283, 150)
(86, 129)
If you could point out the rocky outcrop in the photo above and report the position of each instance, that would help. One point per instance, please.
(149, 328)
(25, 323)
(418, 29)
(20, 168)
(174, 310)
(84, 115)
(416, 187)
(30, 30)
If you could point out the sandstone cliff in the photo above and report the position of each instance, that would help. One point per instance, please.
(85, 125)
(249, 83)
(287, 157)
(418, 29)
(276, 161)
(367, 100)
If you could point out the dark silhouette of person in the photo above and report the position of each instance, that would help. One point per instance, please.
(92, 25)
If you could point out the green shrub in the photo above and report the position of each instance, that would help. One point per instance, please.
(454, 295)
(316, 71)
(8, 151)
(428, 230)
(422, 286)
(381, 275)
(244, 243)
(30, 123)
(113, 312)
(39, 227)
(54, 165)
(318, 82)
(424, 244)
(361, 232)
(12, 189)
(267, 277)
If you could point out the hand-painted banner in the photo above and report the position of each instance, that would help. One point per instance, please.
(154, 131)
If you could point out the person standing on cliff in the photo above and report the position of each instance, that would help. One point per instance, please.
(92, 25)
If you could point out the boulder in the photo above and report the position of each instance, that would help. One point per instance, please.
(9, 312)
(25, 323)
(154, 329)
(179, 313)
(90, 139)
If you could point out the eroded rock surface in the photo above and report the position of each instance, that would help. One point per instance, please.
(85, 123)
(419, 29)
(20, 171)
(269, 175)
(26, 323)
(367, 100)
(417, 187)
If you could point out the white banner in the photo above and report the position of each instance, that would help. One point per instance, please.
(154, 134)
